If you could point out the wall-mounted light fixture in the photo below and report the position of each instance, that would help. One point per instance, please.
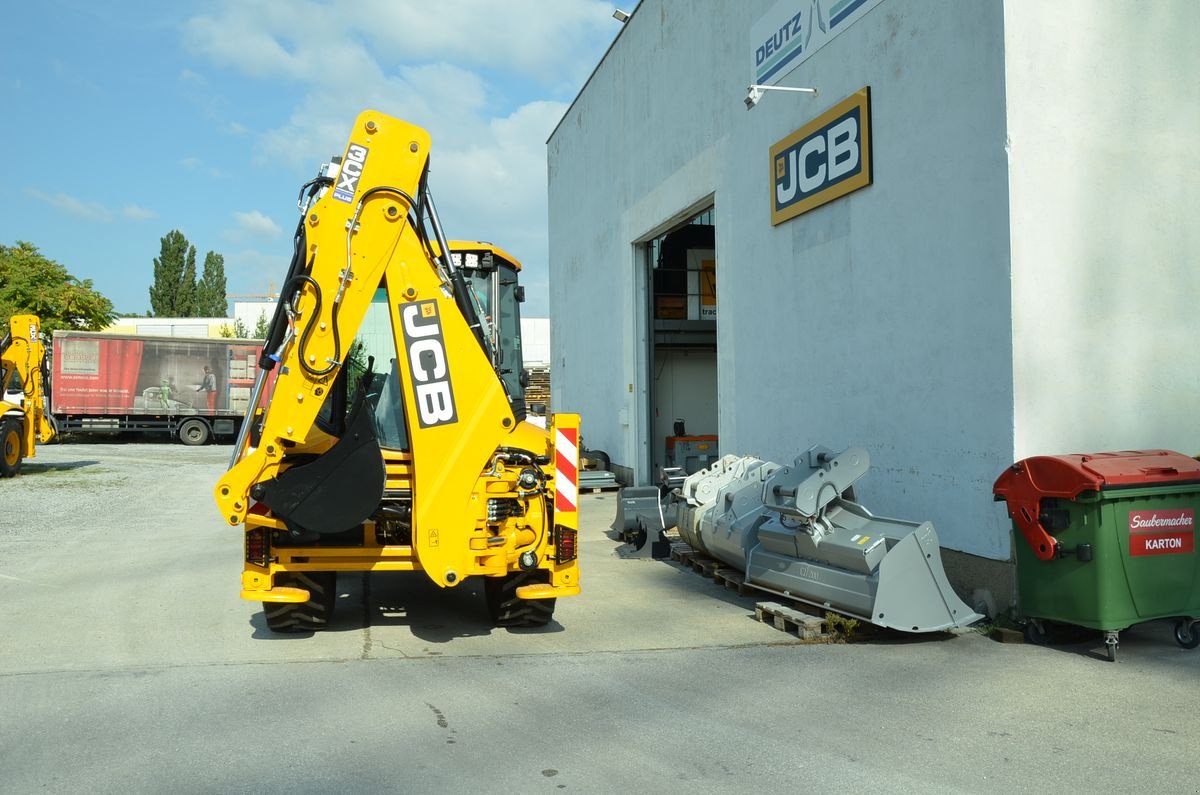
(620, 16)
(755, 91)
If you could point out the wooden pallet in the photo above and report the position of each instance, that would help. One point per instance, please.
(682, 552)
(599, 489)
(715, 570)
(732, 579)
(796, 618)
(538, 389)
(794, 622)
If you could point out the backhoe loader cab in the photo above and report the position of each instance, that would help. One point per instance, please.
(393, 438)
(25, 420)
(492, 277)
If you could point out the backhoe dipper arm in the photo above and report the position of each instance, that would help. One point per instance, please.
(349, 237)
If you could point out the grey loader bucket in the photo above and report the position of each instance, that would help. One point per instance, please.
(797, 531)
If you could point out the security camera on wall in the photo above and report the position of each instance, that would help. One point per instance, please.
(754, 92)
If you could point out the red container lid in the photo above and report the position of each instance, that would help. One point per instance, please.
(1026, 483)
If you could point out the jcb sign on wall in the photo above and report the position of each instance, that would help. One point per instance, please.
(823, 160)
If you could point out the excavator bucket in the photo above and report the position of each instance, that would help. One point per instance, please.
(641, 519)
(796, 531)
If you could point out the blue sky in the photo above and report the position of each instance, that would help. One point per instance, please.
(125, 120)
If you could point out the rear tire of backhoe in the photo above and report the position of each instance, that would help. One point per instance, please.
(509, 610)
(12, 448)
(310, 616)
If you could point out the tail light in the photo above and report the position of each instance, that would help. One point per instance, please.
(564, 543)
(258, 548)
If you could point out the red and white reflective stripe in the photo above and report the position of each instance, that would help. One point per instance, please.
(566, 469)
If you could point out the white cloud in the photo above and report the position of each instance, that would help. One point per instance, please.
(251, 272)
(134, 213)
(90, 211)
(188, 76)
(544, 41)
(253, 225)
(449, 68)
(198, 165)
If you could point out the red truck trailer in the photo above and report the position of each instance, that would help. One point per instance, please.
(194, 389)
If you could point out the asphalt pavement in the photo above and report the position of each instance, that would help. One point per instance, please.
(129, 664)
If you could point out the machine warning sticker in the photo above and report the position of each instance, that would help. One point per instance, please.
(1162, 532)
(351, 170)
(432, 393)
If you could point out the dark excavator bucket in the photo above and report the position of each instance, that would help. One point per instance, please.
(641, 519)
(336, 491)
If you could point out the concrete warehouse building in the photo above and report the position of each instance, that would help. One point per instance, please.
(976, 243)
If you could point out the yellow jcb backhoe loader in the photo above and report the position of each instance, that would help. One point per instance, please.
(394, 436)
(25, 420)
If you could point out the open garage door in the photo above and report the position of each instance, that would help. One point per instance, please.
(682, 357)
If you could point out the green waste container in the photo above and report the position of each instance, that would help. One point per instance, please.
(1106, 541)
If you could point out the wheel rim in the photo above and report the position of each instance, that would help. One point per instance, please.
(12, 448)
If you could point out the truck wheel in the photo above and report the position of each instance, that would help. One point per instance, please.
(11, 448)
(193, 432)
(509, 610)
(309, 616)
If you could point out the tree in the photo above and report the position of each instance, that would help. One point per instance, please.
(32, 283)
(262, 326)
(173, 293)
(210, 290)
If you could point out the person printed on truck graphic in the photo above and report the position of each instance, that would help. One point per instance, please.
(209, 386)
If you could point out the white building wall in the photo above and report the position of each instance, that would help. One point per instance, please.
(880, 320)
(1104, 129)
(249, 312)
(535, 341)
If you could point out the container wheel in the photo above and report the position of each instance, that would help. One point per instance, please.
(509, 610)
(310, 616)
(193, 432)
(1112, 643)
(1187, 634)
(11, 448)
(1035, 633)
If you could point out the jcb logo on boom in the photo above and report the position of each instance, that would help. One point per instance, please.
(351, 170)
(427, 364)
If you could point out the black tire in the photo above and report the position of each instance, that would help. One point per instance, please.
(509, 610)
(194, 432)
(603, 462)
(310, 616)
(1187, 633)
(12, 447)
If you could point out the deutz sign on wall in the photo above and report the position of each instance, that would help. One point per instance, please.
(793, 30)
(823, 160)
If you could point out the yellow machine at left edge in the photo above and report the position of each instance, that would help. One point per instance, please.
(25, 419)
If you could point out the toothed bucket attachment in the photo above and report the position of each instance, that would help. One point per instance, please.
(797, 531)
